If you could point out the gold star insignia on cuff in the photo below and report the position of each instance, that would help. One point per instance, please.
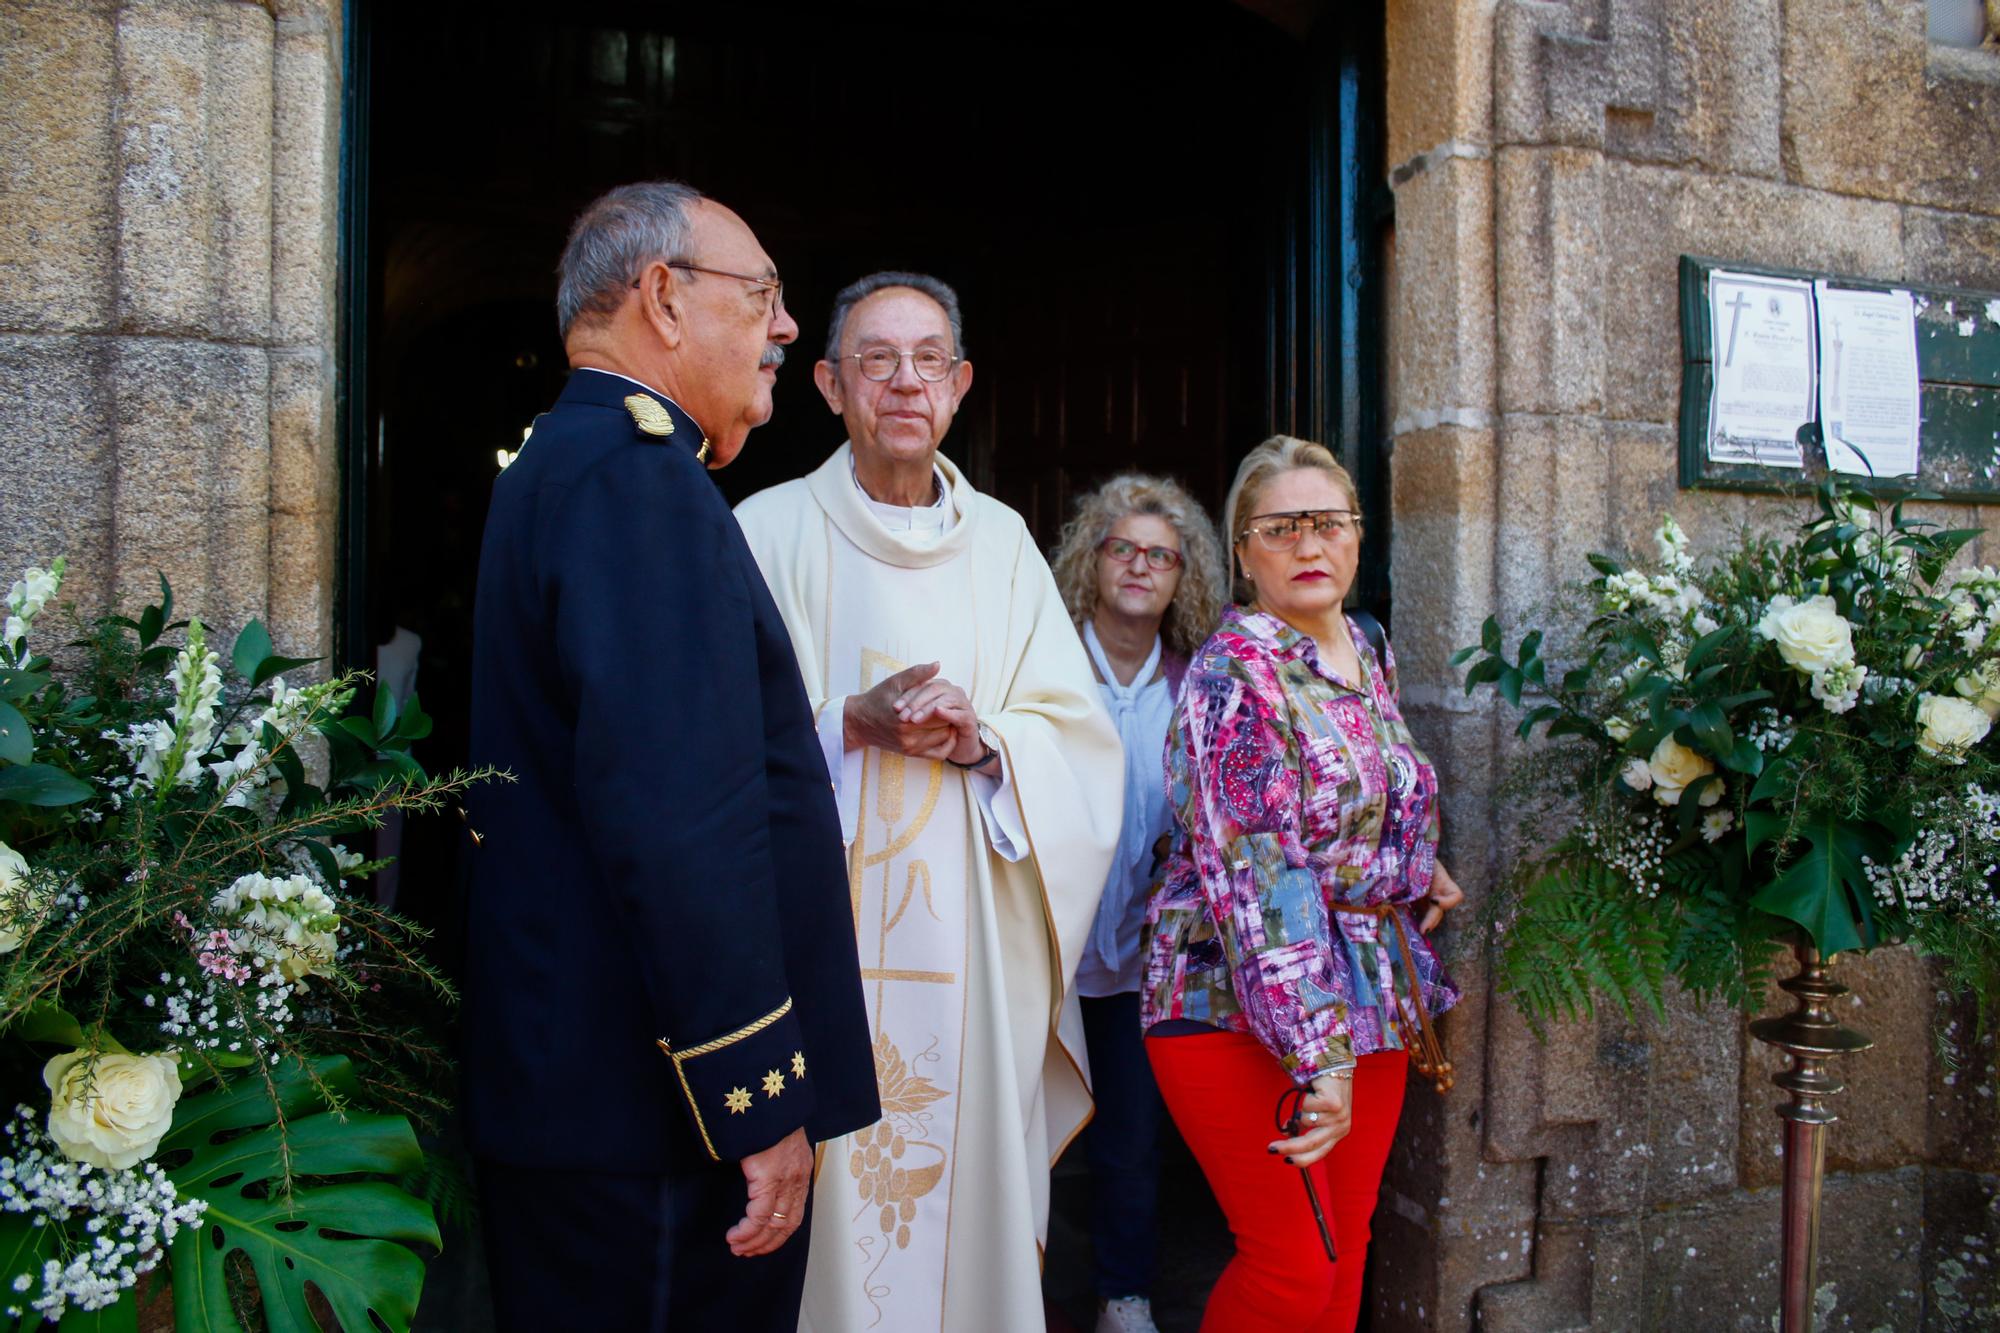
(738, 1101)
(774, 1083)
(798, 1064)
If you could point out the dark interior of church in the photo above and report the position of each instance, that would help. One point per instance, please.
(1132, 202)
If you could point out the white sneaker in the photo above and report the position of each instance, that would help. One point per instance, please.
(1127, 1314)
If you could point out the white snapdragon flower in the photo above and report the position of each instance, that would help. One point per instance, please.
(30, 594)
(1673, 544)
(289, 924)
(1623, 591)
(170, 753)
(1618, 728)
(1949, 727)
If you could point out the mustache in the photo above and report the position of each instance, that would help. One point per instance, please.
(774, 355)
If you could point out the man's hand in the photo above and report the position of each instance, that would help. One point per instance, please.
(778, 1178)
(884, 718)
(939, 700)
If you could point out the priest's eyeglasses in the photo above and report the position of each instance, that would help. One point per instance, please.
(1124, 552)
(775, 286)
(881, 363)
(1281, 532)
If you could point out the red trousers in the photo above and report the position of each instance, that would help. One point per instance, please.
(1223, 1090)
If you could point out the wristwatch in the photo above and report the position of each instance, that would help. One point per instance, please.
(986, 739)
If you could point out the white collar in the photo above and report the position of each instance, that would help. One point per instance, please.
(933, 519)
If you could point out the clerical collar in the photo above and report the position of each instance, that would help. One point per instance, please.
(924, 523)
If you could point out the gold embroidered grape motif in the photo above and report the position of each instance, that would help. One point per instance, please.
(876, 1162)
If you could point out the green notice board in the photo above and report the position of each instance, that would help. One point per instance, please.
(1958, 370)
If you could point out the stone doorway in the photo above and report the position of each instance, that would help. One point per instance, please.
(1162, 221)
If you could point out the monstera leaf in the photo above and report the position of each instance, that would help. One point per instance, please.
(347, 1238)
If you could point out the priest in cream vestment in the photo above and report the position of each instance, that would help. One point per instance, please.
(980, 786)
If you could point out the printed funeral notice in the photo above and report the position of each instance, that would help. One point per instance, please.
(1763, 368)
(1868, 393)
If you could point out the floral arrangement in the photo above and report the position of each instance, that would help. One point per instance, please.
(208, 1040)
(1792, 740)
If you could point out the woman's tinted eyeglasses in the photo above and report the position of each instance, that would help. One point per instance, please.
(1123, 551)
(1281, 532)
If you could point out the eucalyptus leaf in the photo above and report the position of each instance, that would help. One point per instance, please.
(1711, 728)
(1487, 671)
(386, 711)
(278, 666)
(1779, 778)
(17, 738)
(41, 784)
(253, 645)
(1708, 643)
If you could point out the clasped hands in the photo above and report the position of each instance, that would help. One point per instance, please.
(916, 713)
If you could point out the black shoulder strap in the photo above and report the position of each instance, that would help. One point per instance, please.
(1371, 627)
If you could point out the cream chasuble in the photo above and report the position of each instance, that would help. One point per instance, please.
(933, 1218)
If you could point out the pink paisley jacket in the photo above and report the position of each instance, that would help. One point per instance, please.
(1295, 793)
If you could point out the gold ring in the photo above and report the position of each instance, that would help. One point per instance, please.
(777, 1217)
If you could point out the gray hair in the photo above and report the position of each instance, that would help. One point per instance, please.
(854, 293)
(620, 233)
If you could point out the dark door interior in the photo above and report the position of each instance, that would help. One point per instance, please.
(1142, 209)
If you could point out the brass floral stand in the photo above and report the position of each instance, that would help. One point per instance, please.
(1812, 1038)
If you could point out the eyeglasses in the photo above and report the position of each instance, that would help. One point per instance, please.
(880, 363)
(775, 286)
(1281, 532)
(1123, 551)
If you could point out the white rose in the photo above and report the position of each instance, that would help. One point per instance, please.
(108, 1109)
(1982, 687)
(14, 917)
(1674, 766)
(1950, 726)
(1636, 775)
(1810, 635)
(1619, 729)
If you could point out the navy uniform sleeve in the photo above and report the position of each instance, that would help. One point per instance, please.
(658, 653)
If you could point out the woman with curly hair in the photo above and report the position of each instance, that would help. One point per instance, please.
(1140, 568)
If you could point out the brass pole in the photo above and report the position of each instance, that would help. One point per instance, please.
(1811, 1037)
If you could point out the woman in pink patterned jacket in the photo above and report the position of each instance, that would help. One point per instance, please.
(1288, 963)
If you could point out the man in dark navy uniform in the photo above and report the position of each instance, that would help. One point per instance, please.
(663, 1004)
